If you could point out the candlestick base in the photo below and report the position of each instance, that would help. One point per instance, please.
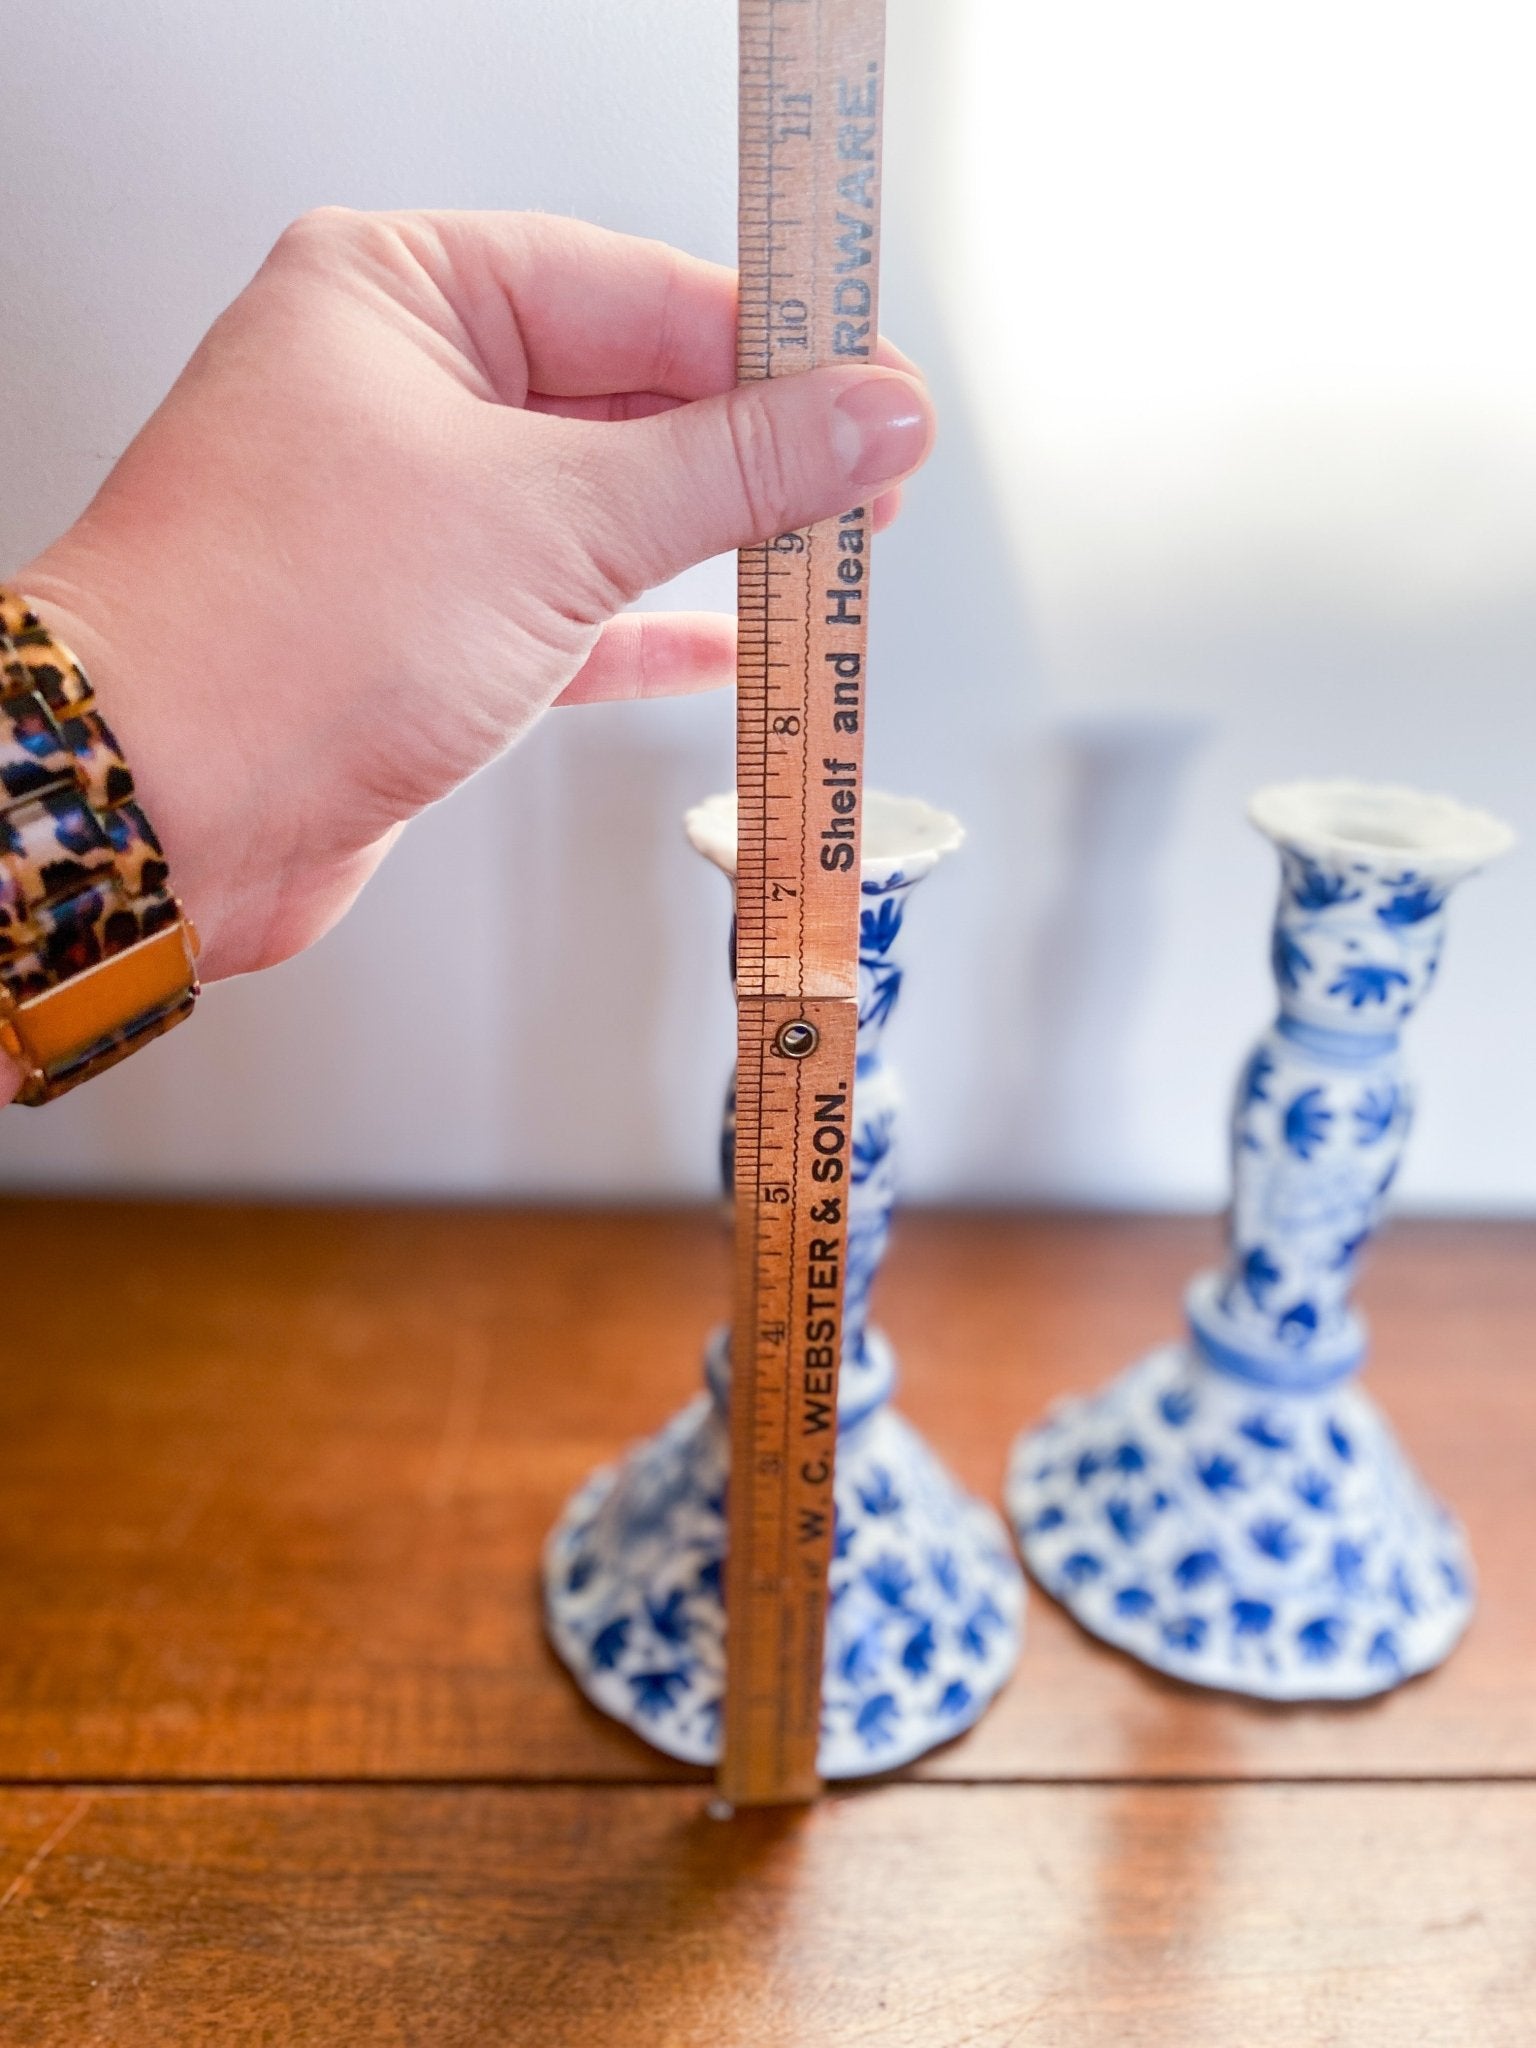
(926, 1595)
(1269, 1542)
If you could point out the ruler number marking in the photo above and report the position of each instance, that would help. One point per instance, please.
(809, 157)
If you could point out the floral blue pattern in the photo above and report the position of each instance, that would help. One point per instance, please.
(1256, 1076)
(1411, 906)
(1281, 1568)
(1306, 1122)
(1314, 888)
(1367, 981)
(1270, 1536)
(926, 1594)
(1290, 961)
(1375, 1113)
(1260, 1274)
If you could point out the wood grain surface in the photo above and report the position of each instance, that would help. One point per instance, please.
(280, 1517)
(917, 1916)
(283, 1757)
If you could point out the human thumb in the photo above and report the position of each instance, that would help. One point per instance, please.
(725, 472)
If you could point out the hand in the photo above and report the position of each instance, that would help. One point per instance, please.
(388, 514)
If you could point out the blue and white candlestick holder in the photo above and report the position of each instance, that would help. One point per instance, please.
(926, 1594)
(1234, 1510)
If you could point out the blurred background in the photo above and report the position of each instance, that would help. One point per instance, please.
(1231, 320)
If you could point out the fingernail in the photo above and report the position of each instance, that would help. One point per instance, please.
(880, 429)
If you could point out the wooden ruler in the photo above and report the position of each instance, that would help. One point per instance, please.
(811, 91)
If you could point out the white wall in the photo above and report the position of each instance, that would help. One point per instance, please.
(1230, 316)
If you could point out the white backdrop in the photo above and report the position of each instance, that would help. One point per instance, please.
(1230, 317)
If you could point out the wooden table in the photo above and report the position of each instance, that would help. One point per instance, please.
(285, 1758)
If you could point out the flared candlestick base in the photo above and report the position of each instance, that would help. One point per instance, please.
(926, 1595)
(1267, 1542)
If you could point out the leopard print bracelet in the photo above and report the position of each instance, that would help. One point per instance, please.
(96, 954)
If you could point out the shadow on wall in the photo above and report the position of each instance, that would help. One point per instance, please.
(1024, 997)
(616, 995)
(1107, 794)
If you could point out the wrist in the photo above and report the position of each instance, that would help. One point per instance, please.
(98, 954)
(192, 786)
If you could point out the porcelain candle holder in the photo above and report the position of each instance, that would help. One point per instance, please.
(926, 1594)
(1234, 1510)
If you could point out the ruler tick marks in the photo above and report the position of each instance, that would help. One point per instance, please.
(809, 157)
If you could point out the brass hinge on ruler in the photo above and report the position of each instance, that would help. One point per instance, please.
(811, 74)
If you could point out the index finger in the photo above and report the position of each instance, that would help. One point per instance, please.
(571, 310)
